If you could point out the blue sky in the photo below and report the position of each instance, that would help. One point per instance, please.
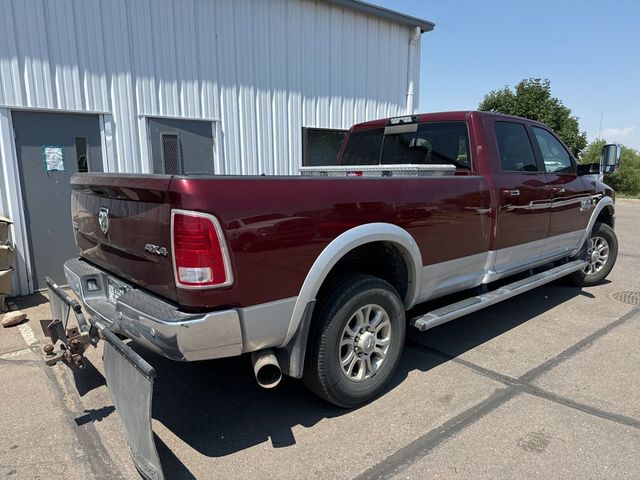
(590, 51)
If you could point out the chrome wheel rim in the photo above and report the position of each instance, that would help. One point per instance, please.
(364, 342)
(597, 255)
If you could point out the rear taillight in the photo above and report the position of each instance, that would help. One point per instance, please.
(200, 257)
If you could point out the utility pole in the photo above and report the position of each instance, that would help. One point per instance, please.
(600, 129)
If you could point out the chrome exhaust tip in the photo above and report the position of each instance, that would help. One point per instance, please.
(266, 368)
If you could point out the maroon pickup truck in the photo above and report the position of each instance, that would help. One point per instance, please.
(317, 275)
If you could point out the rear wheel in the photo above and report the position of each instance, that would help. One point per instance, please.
(356, 342)
(602, 252)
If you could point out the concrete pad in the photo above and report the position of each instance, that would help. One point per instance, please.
(533, 438)
(36, 308)
(628, 226)
(216, 420)
(37, 438)
(11, 340)
(606, 375)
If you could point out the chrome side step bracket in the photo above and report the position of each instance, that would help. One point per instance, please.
(473, 304)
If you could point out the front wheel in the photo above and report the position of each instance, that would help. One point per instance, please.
(356, 341)
(602, 252)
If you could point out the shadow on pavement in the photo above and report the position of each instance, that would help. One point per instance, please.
(87, 379)
(95, 415)
(29, 301)
(457, 337)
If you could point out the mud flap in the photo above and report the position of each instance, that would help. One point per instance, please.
(130, 381)
(129, 377)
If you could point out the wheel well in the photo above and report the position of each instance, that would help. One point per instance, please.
(379, 259)
(606, 216)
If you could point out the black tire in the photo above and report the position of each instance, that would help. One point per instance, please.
(589, 277)
(339, 305)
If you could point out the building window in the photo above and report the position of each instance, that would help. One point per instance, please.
(82, 156)
(321, 146)
(181, 146)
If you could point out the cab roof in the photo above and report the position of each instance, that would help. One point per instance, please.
(452, 116)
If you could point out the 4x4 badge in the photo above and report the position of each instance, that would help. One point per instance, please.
(103, 219)
(156, 250)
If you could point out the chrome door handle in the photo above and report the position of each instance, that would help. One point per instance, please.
(512, 193)
(559, 189)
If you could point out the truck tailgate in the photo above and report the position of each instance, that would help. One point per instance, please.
(118, 219)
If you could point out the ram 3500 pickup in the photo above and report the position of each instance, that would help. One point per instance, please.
(317, 275)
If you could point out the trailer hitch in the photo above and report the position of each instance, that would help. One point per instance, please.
(129, 377)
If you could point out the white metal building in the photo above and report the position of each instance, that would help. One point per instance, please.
(240, 78)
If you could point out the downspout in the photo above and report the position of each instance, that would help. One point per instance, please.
(412, 68)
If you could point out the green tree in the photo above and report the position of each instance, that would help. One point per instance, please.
(627, 178)
(532, 99)
(591, 154)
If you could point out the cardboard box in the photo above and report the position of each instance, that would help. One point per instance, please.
(4, 229)
(7, 254)
(5, 281)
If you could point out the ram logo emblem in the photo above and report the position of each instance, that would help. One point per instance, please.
(103, 219)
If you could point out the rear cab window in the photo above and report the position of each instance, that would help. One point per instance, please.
(514, 148)
(429, 143)
(363, 147)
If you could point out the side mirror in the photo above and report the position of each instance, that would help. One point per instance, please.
(610, 158)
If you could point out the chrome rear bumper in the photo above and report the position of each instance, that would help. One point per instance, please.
(153, 323)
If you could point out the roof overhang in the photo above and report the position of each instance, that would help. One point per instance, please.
(381, 12)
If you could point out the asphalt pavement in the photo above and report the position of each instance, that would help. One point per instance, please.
(545, 385)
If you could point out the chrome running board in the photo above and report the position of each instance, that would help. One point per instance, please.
(473, 304)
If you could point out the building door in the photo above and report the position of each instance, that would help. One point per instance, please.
(180, 147)
(51, 147)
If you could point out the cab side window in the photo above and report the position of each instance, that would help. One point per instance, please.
(514, 147)
(555, 156)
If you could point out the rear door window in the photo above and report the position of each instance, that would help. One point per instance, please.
(555, 156)
(514, 147)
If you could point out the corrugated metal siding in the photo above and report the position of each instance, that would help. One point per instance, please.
(265, 69)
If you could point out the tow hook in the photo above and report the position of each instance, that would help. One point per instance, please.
(75, 340)
(72, 353)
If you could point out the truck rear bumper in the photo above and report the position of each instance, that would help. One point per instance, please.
(151, 322)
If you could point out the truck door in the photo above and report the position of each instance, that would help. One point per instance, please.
(523, 199)
(571, 195)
